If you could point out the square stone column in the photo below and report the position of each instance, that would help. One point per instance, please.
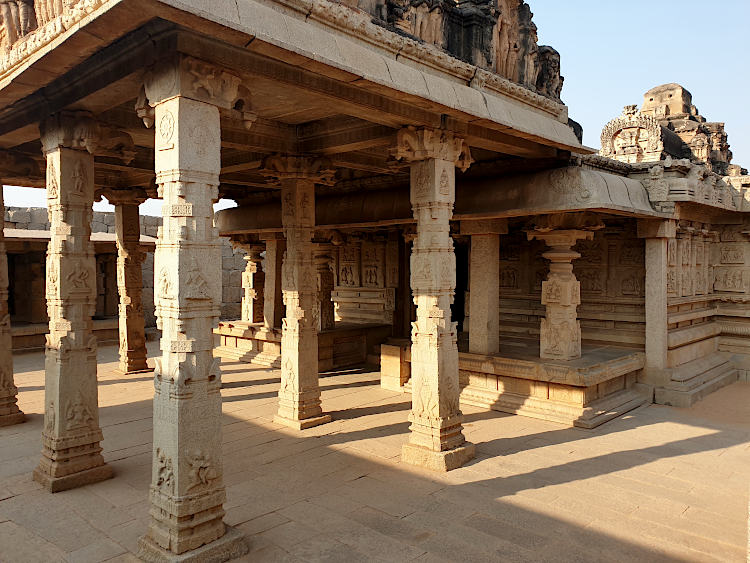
(436, 441)
(299, 394)
(325, 280)
(187, 488)
(484, 284)
(273, 303)
(658, 235)
(9, 411)
(71, 454)
(130, 258)
(560, 337)
(253, 281)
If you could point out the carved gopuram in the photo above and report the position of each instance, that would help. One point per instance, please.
(410, 191)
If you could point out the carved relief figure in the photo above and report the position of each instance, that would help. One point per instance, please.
(549, 83)
(507, 39)
(78, 414)
(202, 471)
(19, 18)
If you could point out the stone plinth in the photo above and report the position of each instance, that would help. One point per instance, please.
(587, 392)
(71, 454)
(436, 441)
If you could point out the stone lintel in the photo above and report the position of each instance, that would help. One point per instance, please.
(657, 229)
(485, 227)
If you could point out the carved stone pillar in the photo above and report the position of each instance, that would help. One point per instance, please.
(484, 284)
(273, 304)
(187, 488)
(324, 267)
(130, 258)
(71, 454)
(253, 281)
(9, 411)
(299, 394)
(560, 337)
(436, 441)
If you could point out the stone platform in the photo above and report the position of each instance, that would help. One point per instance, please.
(661, 484)
(587, 392)
(344, 346)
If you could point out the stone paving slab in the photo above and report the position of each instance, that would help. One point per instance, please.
(659, 484)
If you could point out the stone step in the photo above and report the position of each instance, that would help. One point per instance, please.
(686, 393)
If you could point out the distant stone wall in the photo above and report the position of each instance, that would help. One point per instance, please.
(35, 218)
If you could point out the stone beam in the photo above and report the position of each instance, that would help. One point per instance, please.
(436, 440)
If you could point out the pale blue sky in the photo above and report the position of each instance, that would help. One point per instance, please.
(614, 51)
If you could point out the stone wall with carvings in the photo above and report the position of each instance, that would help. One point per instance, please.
(731, 278)
(611, 271)
(365, 279)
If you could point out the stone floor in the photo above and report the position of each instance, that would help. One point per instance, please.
(658, 484)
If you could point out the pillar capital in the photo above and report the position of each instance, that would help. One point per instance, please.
(130, 196)
(291, 167)
(192, 78)
(561, 238)
(413, 144)
(80, 130)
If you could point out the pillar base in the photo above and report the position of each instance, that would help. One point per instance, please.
(11, 419)
(304, 423)
(229, 546)
(85, 477)
(438, 461)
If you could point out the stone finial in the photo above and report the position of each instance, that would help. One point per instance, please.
(414, 144)
(283, 167)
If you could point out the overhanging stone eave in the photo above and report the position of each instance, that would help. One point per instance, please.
(532, 118)
(506, 197)
(418, 84)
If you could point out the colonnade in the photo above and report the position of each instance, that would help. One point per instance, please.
(187, 491)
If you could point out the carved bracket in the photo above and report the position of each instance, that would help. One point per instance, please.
(81, 131)
(414, 144)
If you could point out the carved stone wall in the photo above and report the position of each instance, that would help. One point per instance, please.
(366, 277)
(731, 280)
(612, 277)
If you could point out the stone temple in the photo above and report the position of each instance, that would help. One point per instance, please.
(410, 191)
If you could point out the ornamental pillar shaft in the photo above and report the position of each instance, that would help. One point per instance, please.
(9, 411)
(299, 394)
(324, 267)
(273, 304)
(71, 454)
(560, 337)
(484, 284)
(130, 286)
(436, 440)
(187, 489)
(253, 281)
